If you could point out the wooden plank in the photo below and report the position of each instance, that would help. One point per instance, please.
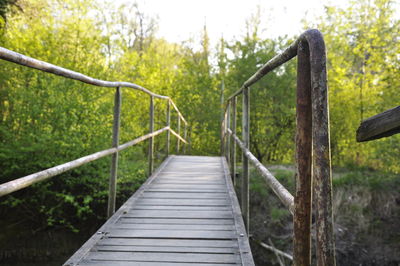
(194, 227)
(381, 125)
(180, 208)
(83, 251)
(185, 190)
(243, 240)
(147, 263)
(175, 234)
(182, 202)
(174, 221)
(178, 181)
(179, 214)
(183, 195)
(149, 242)
(179, 218)
(164, 257)
(189, 187)
(165, 249)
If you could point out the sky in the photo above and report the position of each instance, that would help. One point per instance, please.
(180, 20)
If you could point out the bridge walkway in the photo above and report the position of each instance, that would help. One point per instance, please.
(185, 214)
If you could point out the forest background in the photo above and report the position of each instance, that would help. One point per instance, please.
(48, 120)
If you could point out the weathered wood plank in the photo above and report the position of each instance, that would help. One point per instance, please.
(174, 234)
(168, 249)
(183, 195)
(164, 257)
(147, 263)
(180, 208)
(182, 217)
(243, 241)
(174, 221)
(185, 190)
(188, 187)
(149, 242)
(179, 214)
(194, 227)
(183, 202)
(381, 125)
(83, 251)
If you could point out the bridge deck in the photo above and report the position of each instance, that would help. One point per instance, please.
(185, 214)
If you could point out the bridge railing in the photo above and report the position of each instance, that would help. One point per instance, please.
(31, 179)
(313, 163)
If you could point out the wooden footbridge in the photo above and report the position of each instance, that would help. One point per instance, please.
(187, 212)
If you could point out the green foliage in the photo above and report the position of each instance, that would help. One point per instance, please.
(363, 70)
(48, 120)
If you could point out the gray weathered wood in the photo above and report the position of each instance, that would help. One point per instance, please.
(112, 191)
(283, 194)
(233, 152)
(28, 180)
(167, 249)
(193, 221)
(184, 224)
(168, 125)
(179, 133)
(187, 227)
(151, 140)
(150, 242)
(243, 240)
(165, 257)
(381, 125)
(147, 263)
(245, 198)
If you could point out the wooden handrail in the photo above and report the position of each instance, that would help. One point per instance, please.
(312, 148)
(27, 61)
(31, 179)
(26, 181)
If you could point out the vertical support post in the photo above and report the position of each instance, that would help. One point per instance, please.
(185, 137)
(179, 133)
(233, 158)
(245, 166)
(228, 138)
(151, 140)
(222, 117)
(112, 192)
(168, 125)
(322, 176)
(303, 197)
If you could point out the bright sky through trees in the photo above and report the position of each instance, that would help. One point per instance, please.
(180, 20)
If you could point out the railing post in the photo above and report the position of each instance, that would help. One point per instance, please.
(114, 160)
(322, 176)
(185, 137)
(302, 200)
(233, 158)
(168, 125)
(179, 133)
(245, 166)
(228, 138)
(222, 117)
(151, 140)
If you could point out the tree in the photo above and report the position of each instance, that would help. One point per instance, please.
(272, 112)
(363, 45)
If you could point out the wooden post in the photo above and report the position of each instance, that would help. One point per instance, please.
(112, 192)
(151, 140)
(302, 201)
(179, 133)
(245, 166)
(168, 125)
(228, 139)
(185, 136)
(222, 117)
(233, 158)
